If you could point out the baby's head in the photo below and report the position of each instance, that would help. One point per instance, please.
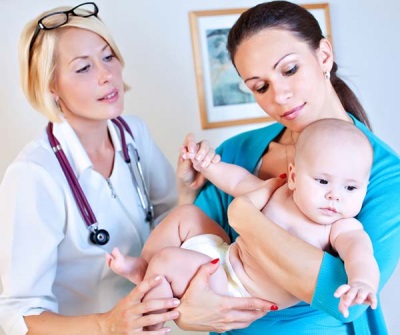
(331, 169)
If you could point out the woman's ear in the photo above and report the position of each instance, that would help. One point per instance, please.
(53, 92)
(291, 178)
(53, 87)
(325, 55)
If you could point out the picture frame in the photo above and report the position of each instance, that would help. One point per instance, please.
(224, 100)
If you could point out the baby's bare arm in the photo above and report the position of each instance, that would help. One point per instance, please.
(354, 247)
(230, 178)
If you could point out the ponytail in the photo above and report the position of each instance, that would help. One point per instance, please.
(348, 99)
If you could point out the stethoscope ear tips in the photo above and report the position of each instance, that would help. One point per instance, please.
(100, 237)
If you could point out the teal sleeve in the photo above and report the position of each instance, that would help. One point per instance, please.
(331, 276)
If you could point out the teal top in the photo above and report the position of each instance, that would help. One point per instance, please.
(380, 216)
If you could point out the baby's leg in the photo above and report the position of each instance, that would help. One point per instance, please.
(178, 266)
(179, 225)
(132, 268)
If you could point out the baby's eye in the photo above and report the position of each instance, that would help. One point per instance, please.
(83, 69)
(350, 188)
(291, 71)
(322, 181)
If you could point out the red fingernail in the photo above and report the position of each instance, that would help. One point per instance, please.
(274, 308)
(282, 176)
(215, 261)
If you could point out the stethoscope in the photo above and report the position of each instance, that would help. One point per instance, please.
(101, 236)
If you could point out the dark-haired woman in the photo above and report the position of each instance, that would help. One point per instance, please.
(280, 53)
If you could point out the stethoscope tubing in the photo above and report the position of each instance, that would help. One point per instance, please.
(147, 207)
(80, 198)
(101, 236)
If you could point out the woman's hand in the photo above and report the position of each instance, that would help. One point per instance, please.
(189, 180)
(203, 310)
(128, 316)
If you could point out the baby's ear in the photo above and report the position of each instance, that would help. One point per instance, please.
(291, 177)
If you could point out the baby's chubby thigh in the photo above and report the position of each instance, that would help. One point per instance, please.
(179, 265)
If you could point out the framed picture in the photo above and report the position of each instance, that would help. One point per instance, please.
(224, 100)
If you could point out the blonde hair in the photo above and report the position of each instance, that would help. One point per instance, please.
(37, 66)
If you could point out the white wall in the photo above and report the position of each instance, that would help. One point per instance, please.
(154, 37)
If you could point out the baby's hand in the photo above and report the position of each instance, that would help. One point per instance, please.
(355, 293)
(201, 156)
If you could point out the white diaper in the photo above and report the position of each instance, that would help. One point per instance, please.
(215, 247)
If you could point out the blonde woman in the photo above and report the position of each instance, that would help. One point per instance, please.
(91, 181)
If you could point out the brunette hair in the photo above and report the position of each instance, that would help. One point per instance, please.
(302, 24)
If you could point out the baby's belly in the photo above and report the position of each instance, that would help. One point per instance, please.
(257, 282)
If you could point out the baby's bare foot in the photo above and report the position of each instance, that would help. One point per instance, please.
(132, 268)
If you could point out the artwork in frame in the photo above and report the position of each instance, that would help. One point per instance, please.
(224, 100)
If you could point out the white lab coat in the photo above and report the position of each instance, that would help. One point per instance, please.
(46, 260)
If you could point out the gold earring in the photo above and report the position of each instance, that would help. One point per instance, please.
(327, 75)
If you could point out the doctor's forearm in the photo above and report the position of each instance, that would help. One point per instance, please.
(55, 324)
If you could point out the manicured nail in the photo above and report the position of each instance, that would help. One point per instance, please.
(215, 261)
(282, 176)
(274, 308)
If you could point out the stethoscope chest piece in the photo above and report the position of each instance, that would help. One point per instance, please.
(99, 236)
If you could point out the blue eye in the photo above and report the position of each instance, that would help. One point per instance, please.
(109, 58)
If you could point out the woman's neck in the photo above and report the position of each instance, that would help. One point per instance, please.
(335, 108)
(96, 141)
